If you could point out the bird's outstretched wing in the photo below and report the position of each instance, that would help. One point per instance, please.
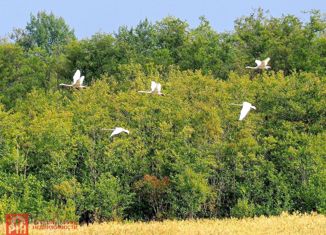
(258, 62)
(153, 86)
(76, 76)
(245, 110)
(265, 61)
(158, 87)
(81, 80)
(116, 131)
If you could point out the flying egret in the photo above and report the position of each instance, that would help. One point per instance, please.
(246, 106)
(261, 64)
(77, 81)
(155, 88)
(116, 131)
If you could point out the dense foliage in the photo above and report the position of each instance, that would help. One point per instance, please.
(187, 154)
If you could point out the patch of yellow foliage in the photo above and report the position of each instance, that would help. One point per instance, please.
(284, 224)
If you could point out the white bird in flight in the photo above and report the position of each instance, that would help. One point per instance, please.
(246, 106)
(155, 88)
(77, 81)
(116, 131)
(261, 64)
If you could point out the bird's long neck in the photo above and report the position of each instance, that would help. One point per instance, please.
(62, 84)
(249, 67)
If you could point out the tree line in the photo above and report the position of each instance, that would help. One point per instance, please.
(187, 155)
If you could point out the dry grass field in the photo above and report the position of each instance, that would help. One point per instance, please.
(284, 224)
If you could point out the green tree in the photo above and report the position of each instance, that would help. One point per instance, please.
(45, 31)
(192, 191)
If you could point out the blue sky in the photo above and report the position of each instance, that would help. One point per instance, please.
(89, 17)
